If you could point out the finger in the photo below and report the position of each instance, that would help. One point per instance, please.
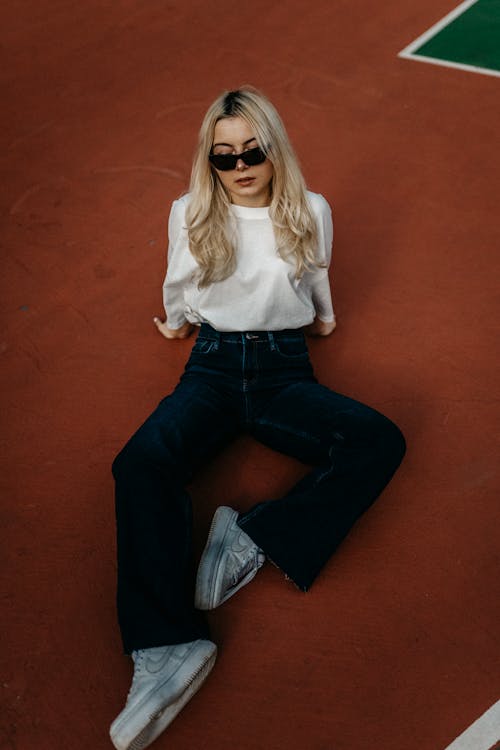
(161, 327)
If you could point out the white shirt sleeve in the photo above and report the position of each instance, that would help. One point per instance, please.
(320, 283)
(175, 279)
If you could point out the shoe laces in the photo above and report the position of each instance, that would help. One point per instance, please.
(138, 657)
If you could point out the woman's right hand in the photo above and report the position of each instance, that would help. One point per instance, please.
(174, 333)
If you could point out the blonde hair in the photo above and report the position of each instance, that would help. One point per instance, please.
(208, 210)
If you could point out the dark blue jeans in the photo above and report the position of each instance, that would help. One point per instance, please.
(261, 383)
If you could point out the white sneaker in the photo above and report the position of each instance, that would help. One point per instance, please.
(165, 678)
(229, 561)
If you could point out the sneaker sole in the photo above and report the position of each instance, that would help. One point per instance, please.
(205, 580)
(159, 720)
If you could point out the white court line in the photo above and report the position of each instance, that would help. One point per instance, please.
(449, 64)
(439, 26)
(408, 52)
(483, 734)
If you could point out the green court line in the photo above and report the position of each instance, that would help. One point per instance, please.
(467, 38)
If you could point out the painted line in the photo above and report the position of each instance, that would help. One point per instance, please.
(439, 26)
(484, 734)
(450, 64)
(408, 52)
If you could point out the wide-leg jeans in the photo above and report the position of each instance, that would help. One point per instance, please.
(261, 383)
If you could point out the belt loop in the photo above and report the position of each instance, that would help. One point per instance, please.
(271, 340)
(217, 340)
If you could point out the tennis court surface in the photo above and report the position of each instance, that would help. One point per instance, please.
(396, 645)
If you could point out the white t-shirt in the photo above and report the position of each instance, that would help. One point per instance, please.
(262, 294)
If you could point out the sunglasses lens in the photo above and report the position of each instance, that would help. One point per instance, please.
(225, 162)
(253, 156)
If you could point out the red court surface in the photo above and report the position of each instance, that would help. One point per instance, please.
(396, 645)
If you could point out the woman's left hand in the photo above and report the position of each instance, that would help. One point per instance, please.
(320, 328)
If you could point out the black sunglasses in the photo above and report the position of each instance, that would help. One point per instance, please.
(225, 162)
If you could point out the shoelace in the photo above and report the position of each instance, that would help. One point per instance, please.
(138, 662)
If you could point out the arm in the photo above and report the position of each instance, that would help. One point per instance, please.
(175, 326)
(324, 322)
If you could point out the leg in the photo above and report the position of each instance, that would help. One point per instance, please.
(356, 451)
(153, 511)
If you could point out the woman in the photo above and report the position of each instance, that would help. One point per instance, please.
(249, 249)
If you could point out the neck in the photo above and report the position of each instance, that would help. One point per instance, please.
(257, 201)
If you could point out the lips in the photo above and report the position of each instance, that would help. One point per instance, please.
(245, 181)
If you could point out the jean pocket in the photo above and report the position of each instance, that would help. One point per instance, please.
(292, 348)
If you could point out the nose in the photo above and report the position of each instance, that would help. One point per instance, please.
(240, 165)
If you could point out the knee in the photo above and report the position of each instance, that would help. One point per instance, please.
(119, 464)
(392, 444)
(143, 454)
(134, 454)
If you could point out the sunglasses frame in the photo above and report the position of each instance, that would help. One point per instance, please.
(228, 162)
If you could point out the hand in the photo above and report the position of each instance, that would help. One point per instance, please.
(320, 328)
(174, 333)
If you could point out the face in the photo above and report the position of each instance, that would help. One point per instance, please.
(247, 186)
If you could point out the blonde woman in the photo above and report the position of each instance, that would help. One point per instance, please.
(249, 249)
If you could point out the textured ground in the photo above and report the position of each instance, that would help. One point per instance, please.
(396, 646)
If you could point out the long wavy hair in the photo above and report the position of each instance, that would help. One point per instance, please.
(210, 231)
